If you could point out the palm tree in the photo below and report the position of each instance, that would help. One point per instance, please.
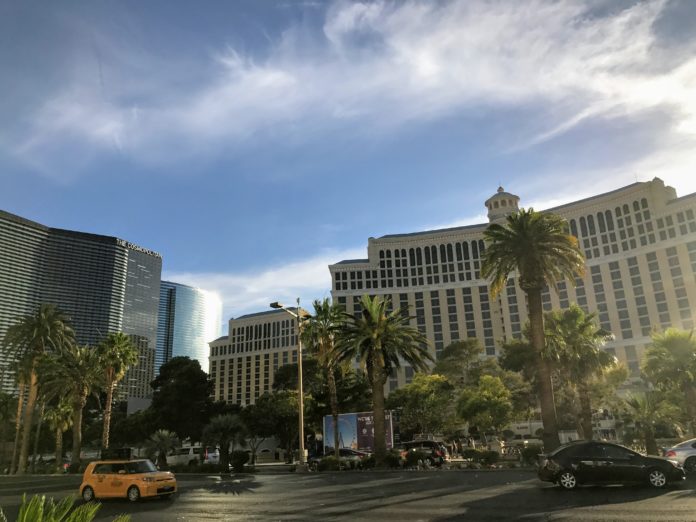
(646, 410)
(22, 374)
(379, 339)
(540, 249)
(29, 338)
(118, 354)
(77, 371)
(162, 442)
(670, 362)
(224, 430)
(576, 342)
(59, 419)
(319, 333)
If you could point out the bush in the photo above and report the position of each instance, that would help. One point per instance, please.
(329, 463)
(238, 459)
(368, 462)
(38, 509)
(414, 457)
(489, 457)
(392, 458)
(472, 454)
(529, 454)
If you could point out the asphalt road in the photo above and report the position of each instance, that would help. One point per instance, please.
(383, 496)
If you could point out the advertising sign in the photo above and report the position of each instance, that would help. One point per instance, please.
(356, 431)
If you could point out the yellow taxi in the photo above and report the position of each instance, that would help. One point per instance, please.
(132, 479)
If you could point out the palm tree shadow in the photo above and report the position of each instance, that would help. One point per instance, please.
(237, 485)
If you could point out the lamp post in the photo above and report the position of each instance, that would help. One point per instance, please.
(298, 318)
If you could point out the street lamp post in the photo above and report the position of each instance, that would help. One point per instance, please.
(298, 318)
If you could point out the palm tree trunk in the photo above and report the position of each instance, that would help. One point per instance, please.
(544, 384)
(59, 450)
(28, 417)
(18, 425)
(691, 408)
(380, 443)
(107, 414)
(334, 410)
(650, 442)
(585, 411)
(77, 434)
(36, 437)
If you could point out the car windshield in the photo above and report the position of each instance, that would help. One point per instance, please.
(140, 466)
(563, 447)
(686, 444)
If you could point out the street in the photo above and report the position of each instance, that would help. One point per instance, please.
(394, 496)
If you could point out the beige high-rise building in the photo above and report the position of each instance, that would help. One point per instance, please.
(243, 363)
(640, 245)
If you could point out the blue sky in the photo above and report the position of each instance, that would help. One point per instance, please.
(253, 143)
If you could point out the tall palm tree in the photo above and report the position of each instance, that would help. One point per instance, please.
(59, 419)
(670, 362)
(224, 430)
(540, 249)
(31, 336)
(319, 333)
(77, 371)
(379, 339)
(576, 341)
(162, 442)
(22, 374)
(118, 354)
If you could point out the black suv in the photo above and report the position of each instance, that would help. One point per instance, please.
(595, 462)
(436, 451)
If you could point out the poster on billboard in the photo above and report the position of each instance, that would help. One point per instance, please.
(356, 431)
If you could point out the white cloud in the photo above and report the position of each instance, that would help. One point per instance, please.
(386, 64)
(252, 291)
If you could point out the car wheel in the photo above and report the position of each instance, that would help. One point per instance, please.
(567, 480)
(657, 478)
(690, 465)
(133, 493)
(87, 494)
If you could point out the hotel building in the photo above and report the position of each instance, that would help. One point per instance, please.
(104, 284)
(189, 318)
(640, 245)
(243, 363)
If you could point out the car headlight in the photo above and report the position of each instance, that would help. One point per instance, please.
(148, 479)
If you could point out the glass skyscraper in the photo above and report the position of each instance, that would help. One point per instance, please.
(189, 318)
(104, 284)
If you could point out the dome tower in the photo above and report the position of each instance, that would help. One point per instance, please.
(501, 205)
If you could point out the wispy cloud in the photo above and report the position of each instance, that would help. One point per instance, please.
(382, 63)
(252, 291)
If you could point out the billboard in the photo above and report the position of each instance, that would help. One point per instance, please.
(356, 431)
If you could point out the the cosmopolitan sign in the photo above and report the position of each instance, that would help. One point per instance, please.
(356, 431)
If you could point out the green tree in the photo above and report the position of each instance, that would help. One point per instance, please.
(182, 397)
(670, 363)
(59, 418)
(425, 406)
(576, 342)
(28, 339)
(117, 354)
(539, 248)
(319, 334)
(162, 442)
(646, 410)
(457, 359)
(224, 430)
(380, 339)
(260, 425)
(76, 372)
(486, 405)
(283, 408)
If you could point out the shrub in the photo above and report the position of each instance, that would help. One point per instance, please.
(329, 463)
(392, 458)
(238, 459)
(489, 457)
(529, 454)
(413, 457)
(369, 462)
(471, 454)
(37, 509)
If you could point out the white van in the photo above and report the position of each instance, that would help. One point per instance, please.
(191, 455)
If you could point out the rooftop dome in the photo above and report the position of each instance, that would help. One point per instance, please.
(501, 204)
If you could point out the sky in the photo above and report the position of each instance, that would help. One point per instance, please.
(253, 143)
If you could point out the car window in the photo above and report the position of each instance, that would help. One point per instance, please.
(182, 451)
(118, 468)
(616, 452)
(197, 451)
(687, 444)
(101, 469)
(570, 449)
(140, 466)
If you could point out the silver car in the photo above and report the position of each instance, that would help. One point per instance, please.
(685, 454)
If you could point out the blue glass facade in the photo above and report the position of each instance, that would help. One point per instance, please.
(189, 318)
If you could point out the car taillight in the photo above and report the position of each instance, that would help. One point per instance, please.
(671, 453)
(438, 453)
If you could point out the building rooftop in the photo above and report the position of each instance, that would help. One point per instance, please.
(423, 232)
(352, 261)
(267, 312)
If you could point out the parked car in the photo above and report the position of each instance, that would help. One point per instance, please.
(594, 462)
(191, 455)
(436, 452)
(350, 458)
(685, 454)
(132, 479)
